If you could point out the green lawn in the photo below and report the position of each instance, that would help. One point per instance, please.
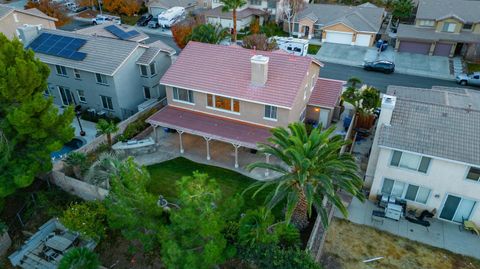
(313, 49)
(165, 174)
(473, 67)
(130, 20)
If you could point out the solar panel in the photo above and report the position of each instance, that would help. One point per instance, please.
(61, 46)
(120, 33)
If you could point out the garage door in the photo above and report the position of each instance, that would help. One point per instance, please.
(442, 49)
(414, 47)
(339, 38)
(363, 40)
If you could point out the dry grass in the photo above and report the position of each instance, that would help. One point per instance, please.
(348, 244)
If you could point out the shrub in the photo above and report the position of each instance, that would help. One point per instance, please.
(274, 257)
(313, 49)
(89, 219)
(79, 258)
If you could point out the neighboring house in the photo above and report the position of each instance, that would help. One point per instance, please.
(235, 95)
(107, 76)
(11, 19)
(351, 25)
(426, 150)
(156, 7)
(443, 28)
(102, 30)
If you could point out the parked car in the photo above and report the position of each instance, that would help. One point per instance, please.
(79, 9)
(171, 16)
(468, 79)
(143, 21)
(100, 19)
(153, 23)
(386, 67)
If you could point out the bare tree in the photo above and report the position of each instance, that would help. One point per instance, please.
(290, 9)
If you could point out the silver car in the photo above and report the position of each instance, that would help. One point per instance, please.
(469, 79)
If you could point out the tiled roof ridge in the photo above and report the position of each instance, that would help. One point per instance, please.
(440, 105)
(363, 18)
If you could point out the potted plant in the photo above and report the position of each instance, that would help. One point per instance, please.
(365, 100)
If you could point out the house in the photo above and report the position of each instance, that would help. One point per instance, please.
(156, 7)
(351, 25)
(324, 103)
(426, 150)
(442, 28)
(236, 95)
(106, 76)
(11, 19)
(104, 29)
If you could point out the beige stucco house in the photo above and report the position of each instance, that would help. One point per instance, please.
(351, 25)
(11, 19)
(426, 150)
(443, 28)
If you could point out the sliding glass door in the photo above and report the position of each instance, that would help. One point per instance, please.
(457, 208)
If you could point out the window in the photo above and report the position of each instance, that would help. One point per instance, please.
(107, 102)
(295, 27)
(270, 112)
(467, 26)
(81, 96)
(66, 95)
(302, 115)
(76, 73)
(223, 103)
(153, 70)
(312, 83)
(255, 2)
(143, 70)
(428, 23)
(474, 174)
(449, 27)
(61, 70)
(146, 92)
(183, 95)
(102, 79)
(272, 4)
(405, 191)
(410, 161)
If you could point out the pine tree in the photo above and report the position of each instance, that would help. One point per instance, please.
(29, 122)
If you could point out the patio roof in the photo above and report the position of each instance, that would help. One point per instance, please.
(326, 93)
(217, 128)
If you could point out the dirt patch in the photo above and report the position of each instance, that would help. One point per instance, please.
(348, 244)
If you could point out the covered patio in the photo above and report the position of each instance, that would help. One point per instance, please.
(209, 139)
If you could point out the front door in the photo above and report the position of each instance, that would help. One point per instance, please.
(67, 96)
(307, 31)
(457, 208)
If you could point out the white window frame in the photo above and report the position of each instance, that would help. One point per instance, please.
(141, 70)
(81, 98)
(303, 115)
(61, 70)
(468, 172)
(312, 83)
(305, 92)
(103, 104)
(406, 185)
(404, 166)
(65, 89)
(76, 73)
(426, 23)
(213, 107)
(149, 92)
(103, 79)
(191, 100)
(154, 71)
(269, 117)
(448, 26)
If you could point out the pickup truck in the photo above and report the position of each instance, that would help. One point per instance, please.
(469, 79)
(100, 19)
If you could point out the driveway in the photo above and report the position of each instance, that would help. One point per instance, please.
(405, 63)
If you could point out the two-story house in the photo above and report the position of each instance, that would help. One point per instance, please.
(350, 25)
(236, 95)
(11, 19)
(442, 28)
(426, 150)
(106, 76)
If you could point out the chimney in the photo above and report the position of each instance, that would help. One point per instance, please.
(388, 105)
(27, 33)
(259, 65)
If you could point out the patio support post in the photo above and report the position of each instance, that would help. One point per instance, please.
(207, 139)
(267, 160)
(236, 154)
(155, 135)
(181, 142)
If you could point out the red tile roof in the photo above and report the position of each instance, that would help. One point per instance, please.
(217, 128)
(225, 70)
(326, 92)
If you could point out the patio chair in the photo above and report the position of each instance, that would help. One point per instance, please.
(469, 225)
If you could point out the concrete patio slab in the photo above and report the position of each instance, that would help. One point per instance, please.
(442, 234)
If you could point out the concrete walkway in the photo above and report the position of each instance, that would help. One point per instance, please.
(440, 234)
(405, 63)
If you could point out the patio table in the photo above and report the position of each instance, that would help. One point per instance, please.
(59, 243)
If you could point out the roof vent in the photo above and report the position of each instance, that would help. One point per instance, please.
(259, 69)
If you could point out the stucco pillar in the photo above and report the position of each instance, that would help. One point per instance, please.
(236, 154)
(207, 140)
(267, 160)
(181, 142)
(155, 135)
(397, 44)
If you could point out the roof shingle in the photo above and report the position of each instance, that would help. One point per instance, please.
(326, 93)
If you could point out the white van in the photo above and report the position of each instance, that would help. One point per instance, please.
(170, 16)
(295, 46)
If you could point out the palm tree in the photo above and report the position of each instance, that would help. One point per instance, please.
(107, 128)
(77, 161)
(79, 258)
(208, 33)
(233, 5)
(312, 169)
(106, 166)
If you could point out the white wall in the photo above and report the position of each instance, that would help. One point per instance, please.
(443, 177)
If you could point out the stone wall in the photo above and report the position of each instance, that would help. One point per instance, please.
(76, 187)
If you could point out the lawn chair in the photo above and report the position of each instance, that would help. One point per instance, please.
(469, 225)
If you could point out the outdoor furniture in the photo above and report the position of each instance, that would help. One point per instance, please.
(424, 223)
(393, 211)
(378, 216)
(469, 225)
(59, 243)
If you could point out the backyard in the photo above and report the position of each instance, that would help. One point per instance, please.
(348, 245)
